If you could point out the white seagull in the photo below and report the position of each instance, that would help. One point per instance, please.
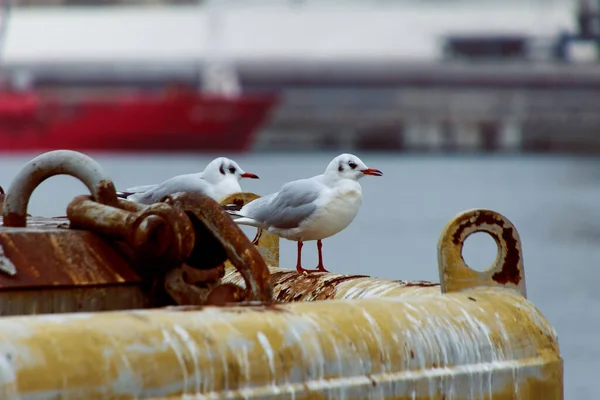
(311, 209)
(220, 178)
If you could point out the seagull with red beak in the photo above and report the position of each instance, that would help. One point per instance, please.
(220, 178)
(311, 209)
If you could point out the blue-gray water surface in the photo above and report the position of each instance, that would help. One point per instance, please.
(552, 200)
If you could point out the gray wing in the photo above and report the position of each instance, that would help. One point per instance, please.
(133, 190)
(182, 183)
(139, 189)
(287, 208)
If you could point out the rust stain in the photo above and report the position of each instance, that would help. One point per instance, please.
(15, 220)
(63, 300)
(416, 283)
(510, 271)
(280, 277)
(317, 286)
(224, 294)
(61, 257)
(290, 286)
(236, 307)
(252, 306)
(107, 193)
(193, 276)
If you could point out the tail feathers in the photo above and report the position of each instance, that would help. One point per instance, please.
(235, 215)
(247, 221)
(124, 195)
(240, 219)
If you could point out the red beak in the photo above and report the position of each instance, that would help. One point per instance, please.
(371, 171)
(249, 175)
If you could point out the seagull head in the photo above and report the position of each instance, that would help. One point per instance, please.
(225, 168)
(348, 166)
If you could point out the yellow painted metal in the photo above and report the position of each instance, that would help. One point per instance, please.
(439, 347)
(507, 269)
(267, 243)
(474, 337)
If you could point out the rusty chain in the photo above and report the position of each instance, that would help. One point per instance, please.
(218, 239)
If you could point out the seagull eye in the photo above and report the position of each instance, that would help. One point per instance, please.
(352, 164)
(232, 170)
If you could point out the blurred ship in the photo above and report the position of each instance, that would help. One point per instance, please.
(172, 116)
(178, 118)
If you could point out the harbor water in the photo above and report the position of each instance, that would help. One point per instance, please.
(552, 200)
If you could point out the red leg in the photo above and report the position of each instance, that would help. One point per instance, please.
(320, 267)
(299, 263)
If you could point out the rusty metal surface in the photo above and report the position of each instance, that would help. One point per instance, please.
(267, 243)
(507, 269)
(483, 343)
(75, 299)
(42, 223)
(219, 239)
(289, 285)
(49, 164)
(55, 257)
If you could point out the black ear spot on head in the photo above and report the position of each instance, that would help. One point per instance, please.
(222, 169)
(340, 168)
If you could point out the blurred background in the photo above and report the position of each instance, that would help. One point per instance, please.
(461, 103)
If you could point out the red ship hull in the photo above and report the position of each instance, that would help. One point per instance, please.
(178, 120)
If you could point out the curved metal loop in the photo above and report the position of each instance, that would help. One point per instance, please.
(267, 243)
(507, 270)
(239, 250)
(59, 162)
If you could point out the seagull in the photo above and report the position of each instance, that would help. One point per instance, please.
(220, 178)
(310, 209)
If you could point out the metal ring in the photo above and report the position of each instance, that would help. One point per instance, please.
(507, 270)
(59, 162)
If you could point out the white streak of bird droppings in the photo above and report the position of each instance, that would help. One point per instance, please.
(174, 345)
(127, 382)
(266, 345)
(8, 373)
(194, 352)
(375, 330)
